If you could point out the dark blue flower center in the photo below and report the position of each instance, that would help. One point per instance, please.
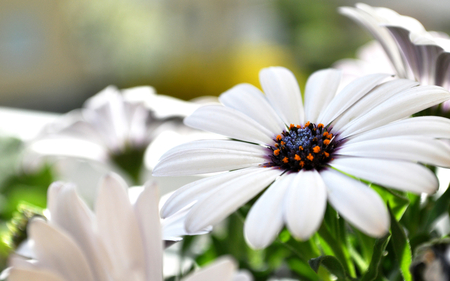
(308, 147)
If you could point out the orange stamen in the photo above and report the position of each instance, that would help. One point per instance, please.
(316, 149)
(320, 126)
(291, 126)
(307, 124)
(283, 143)
(326, 142)
(278, 138)
(330, 136)
(310, 157)
(297, 157)
(326, 154)
(300, 147)
(276, 152)
(302, 164)
(276, 145)
(285, 160)
(299, 127)
(325, 134)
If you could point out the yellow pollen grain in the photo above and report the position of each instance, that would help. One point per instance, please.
(299, 127)
(278, 138)
(320, 126)
(310, 157)
(325, 134)
(285, 160)
(276, 152)
(283, 143)
(302, 164)
(297, 157)
(330, 136)
(300, 147)
(326, 142)
(291, 126)
(316, 149)
(326, 154)
(307, 124)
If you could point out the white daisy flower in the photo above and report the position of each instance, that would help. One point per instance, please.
(114, 127)
(278, 143)
(414, 53)
(121, 241)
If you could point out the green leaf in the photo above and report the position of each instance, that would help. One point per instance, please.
(439, 208)
(373, 273)
(331, 264)
(397, 201)
(303, 269)
(402, 249)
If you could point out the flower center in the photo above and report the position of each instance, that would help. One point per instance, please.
(308, 147)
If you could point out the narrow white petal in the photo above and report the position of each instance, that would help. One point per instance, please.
(411, 148)
(229, 122)
(232, 146)
(19, 274)
(305, 204)
(265, 219)
(72, 215)
(58, 252)
(428, 126)
(349, 95)
(147, 213)
(203, 161)
(118, 228)
(374, 98)
(399, 106)
(173, 226)
(396, 174)
(251, 101)
(357, 203)
(232, 195)
(194, 191)
(320, 89)
(221, 270)
(283, 92)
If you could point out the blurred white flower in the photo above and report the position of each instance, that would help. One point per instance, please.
(121, 241)
(413, 52)
(114, 128)
(297, 152)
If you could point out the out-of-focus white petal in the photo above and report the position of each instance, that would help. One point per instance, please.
(349, 95)
(50, 243)
(249, 100)
(118, 228)
(265, 218)
(411, 148)
(320, 89)
(147, 213)
(229, 122)
(194, 191)
(282, 90)
(396, 174)
(305, 204)
(357, 203)
(232, 195)
(222, 269)
(19, 274)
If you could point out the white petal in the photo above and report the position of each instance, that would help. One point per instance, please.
(147, 213)
(212, 145)
(72, 215)
(229, 122)
(19, 274)
(173, 226)
(305, 204)
(411, 148)
(118, 228)
(357, 203)
(58, 252)
(396, 174)
(232, 195)
(221, 270)
(194, 191)
(397, 107)
(374, 98)
(349, 95)
(283, 92)
(265, 219)
(201, 161)
(249, 100)
(320, 89)
(428, 126)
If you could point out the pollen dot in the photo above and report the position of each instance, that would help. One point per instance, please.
(297, 157)
(276, 152)
(326, 142)
(316, 149)
(310, 157)
(285, 160)
(279, 138)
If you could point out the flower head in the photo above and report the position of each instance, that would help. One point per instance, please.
(298, 152)
(414, 53)
(121, 241)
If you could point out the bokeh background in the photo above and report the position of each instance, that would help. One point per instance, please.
(54, 54)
